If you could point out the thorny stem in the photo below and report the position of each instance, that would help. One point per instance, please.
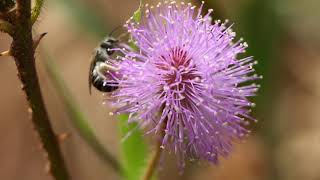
(154, 161)
(23, 52)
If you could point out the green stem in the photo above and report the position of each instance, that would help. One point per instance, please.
(23, 52)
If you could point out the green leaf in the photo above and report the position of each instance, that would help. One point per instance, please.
(137, 14)
(134, 149)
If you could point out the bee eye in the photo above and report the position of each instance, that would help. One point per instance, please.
(105, 45)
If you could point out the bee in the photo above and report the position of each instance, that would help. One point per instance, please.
(101, 72)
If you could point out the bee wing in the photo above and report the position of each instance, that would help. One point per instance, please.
(92, 65)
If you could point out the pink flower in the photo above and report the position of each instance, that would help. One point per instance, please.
(186, 77)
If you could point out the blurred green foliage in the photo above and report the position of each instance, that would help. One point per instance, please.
(134, 149)
(84, 18)
(259, 25)
(78, 119)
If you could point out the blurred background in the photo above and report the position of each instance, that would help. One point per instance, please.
(283, 35)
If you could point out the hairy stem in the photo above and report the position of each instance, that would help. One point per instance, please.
(23, 52)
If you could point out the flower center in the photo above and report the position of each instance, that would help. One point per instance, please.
(180, 76)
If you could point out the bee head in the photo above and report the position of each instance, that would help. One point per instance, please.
(108, 44)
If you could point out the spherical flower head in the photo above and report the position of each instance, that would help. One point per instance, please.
(186, 81)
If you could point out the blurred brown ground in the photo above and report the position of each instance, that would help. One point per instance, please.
(295, 119)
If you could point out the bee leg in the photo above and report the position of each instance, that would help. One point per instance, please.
(96, 79)
(106, 67)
